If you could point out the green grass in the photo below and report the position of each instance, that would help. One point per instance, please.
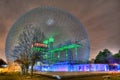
(18, 76)
(14, 76)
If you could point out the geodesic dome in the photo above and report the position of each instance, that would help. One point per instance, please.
(54, 22)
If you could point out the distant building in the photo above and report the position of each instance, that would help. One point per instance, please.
(2, 63)
(3, 66)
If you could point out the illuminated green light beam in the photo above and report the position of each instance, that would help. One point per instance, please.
(65, 48)
(57, 49)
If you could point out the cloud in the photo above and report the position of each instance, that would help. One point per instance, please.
(101, 18)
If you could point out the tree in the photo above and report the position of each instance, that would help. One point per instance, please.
(117, 57)
(38, 37)
(104, 56)
(23, 52)
(21, 58)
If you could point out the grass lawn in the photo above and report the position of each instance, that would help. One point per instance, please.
(18, 76)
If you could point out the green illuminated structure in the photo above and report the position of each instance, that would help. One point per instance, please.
(51, 39)
(52, 54)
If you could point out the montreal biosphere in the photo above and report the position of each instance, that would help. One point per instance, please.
(69, 36)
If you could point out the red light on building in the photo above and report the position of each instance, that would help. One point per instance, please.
(39, 45)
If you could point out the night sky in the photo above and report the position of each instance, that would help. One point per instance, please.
(101, 18)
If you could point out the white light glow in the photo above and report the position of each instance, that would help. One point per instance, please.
(50, 21)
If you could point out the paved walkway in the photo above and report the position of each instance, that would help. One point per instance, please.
(60, 75)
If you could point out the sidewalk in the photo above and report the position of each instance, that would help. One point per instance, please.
(60, 75)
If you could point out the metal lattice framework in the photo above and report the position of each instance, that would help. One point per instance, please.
(51, 54)
(64, 27)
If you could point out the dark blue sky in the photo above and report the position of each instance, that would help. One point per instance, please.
(101, 18)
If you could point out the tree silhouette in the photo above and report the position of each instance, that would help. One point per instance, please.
(117, 57)
(104, 56)
(23, 52)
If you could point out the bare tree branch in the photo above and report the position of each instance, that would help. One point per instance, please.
(23, 51)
